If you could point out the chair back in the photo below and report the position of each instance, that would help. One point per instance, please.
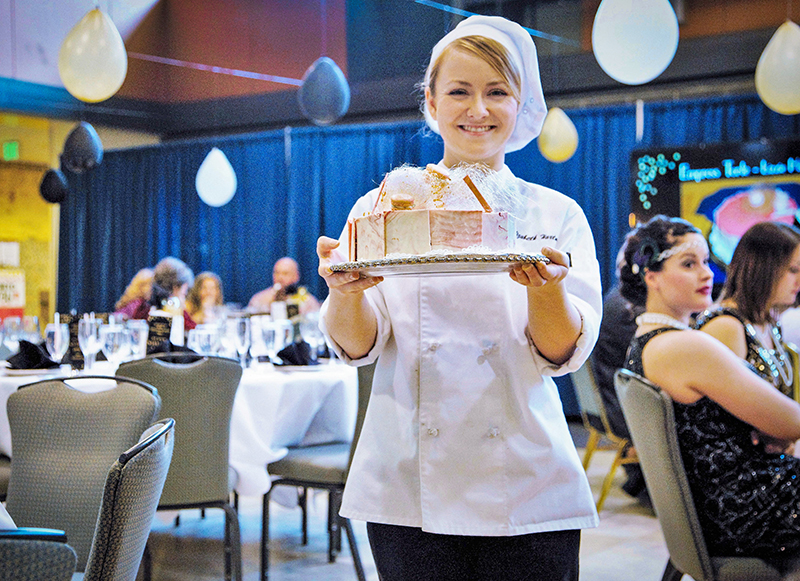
(29, 559)
(133, 489)
(651, 419)
(589, 400)
(365, 375)
(64, 441)
(198, 393)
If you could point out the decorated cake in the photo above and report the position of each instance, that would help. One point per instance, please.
(420, 211)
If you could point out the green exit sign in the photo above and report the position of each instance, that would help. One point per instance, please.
(10, 150)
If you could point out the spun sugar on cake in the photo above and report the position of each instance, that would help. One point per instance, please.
(430, 210)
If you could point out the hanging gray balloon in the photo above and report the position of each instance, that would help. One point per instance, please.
(54, 186)
(82, 149)
(324, 95)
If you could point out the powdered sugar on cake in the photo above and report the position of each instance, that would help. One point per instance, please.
(421, 211)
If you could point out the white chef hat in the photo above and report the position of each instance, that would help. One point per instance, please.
(522, 52)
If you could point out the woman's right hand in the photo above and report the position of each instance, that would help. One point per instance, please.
(343, 282)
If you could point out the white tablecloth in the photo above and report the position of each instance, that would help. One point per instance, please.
(273, 409)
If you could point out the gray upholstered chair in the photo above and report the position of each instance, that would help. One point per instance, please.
(64, 442)
(36, 555)
(198, 393)
(132, 489)
(595, 420)
(651, 420)
(322, 466)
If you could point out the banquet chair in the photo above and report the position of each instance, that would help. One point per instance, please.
(651, 420)
(64, 442)
(595, 420)
(131, 493)
(325, 467)
(198, 392)
(5, 475)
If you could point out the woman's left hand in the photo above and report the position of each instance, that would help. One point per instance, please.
(539, 273)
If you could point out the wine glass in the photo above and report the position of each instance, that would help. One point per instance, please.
(56, 340)
(30, 329)
(115, 342)
(238, 330)
(12, 328)
(138, 331)
(89, 340)
(309, 330)
(204, 339)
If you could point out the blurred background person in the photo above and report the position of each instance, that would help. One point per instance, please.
(204, 298)
(171, 280)
(136, 293)
(285, 288)
(763, 279)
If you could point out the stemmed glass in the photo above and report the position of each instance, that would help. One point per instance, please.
(309, 330)
(12, 328)
(56, 340)
(238, 330)
(89, 340)
(115, 341)
(30, 329)
(138, 330)
(204, 339)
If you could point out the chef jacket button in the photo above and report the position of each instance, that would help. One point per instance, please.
(433, 432)
(433, 347)
(493, 433)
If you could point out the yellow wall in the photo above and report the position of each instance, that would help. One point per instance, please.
(24, 215)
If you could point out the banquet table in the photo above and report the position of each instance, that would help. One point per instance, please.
(274, 408)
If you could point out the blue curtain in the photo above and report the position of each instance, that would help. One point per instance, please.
(296, 184)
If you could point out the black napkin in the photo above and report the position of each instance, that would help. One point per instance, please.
(297, 354)
(169, 347)
(31, 356)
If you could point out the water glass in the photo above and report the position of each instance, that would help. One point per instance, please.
(204, 339)
(89, 340)
(238, 330)
(138, 331)
(12, 329)
(30, 329)
(309, 330)
(56, 340)
(115, 342)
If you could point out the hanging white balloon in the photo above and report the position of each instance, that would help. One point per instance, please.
(324, 95)
(634, 40)
(92, 61)
(216, 180)
(558, 139)
(778, 70)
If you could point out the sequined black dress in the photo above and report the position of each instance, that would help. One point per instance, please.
(766, 362)
(748, 501)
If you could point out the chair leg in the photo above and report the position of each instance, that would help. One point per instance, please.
(333, 527)
(265, 537)
(671, 573)
(303, 502)
(233, 539)
(591, 446)
(609, 480)
(351, 540)
(147, 563)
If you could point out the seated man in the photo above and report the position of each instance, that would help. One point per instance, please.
(285, 276)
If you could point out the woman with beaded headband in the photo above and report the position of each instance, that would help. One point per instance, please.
(763, 279)
(465, 468)
(747, 498)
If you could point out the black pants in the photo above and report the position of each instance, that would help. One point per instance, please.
(409, 554)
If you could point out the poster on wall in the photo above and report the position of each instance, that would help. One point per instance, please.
(723, 189)
(12, 292)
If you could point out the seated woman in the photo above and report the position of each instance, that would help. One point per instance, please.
(171, 280)
(763, 280)
(136, 293)
(205, 294)
(747, 499)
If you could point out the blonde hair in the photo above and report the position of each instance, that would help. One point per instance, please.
(193, 304)
(139, 288)
(488, 50)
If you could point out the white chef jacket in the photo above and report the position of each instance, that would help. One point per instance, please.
(465, 433)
